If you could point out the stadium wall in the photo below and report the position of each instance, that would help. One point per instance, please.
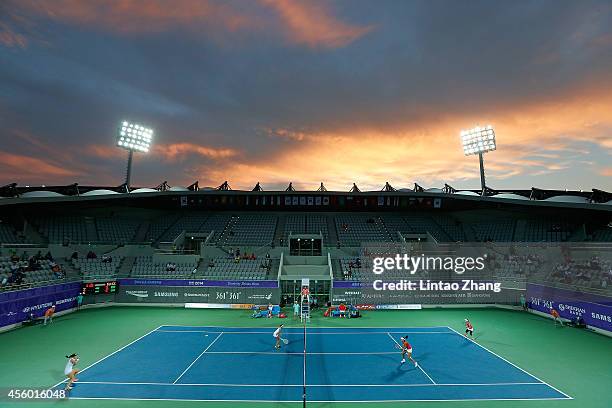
(594, 310)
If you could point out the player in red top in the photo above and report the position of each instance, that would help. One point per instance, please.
(555, 316)
(407, 350)
(469, 328)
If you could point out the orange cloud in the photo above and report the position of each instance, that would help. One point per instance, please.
(544, 138)
(178, 150)
(306, 23)
(312, 23)
(18, 167)
(607, 171)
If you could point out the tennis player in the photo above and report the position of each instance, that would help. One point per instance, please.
(277, 336)
(70, 372)
(407, 350)
(469, 329)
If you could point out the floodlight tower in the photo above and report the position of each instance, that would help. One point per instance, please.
(133, 137)
(479, 140)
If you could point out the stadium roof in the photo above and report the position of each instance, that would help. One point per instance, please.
(595, 198)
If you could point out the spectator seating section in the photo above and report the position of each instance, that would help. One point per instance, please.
(146, 267)
(96, 269)
(116, 230)
(495, 230)
(249, 229)
(355, 229)
(7, 234)
(37, 277)
(546, 231)
(306, 224)
(61, 229)
(229, 269)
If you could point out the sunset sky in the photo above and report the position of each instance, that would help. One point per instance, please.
(307, 91)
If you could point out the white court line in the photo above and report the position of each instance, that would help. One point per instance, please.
(318, 401)
(418, 365)
(382, 329)
(198, 357)
(309, 385)
(511, 363)
(282, 353)
(296, 333)
(114, 352)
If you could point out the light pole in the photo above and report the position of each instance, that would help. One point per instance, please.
(479, 140)
(133, 137)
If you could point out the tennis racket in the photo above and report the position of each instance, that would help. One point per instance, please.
(397, 346)
(285, 341)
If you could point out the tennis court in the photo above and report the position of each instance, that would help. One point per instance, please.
(340, 364)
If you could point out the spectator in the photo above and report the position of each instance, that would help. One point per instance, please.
(4, 281)
(211, 263)
(48, 256)
(91, 255)
(75, 255)
(106, 258)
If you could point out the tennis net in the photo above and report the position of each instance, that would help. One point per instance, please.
(304, 378)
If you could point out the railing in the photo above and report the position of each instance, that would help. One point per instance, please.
(15, 288)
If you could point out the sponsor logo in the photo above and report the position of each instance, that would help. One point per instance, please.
(266, 297)
(138, 293)
(165, 294)
(196, 294)
(602, 317)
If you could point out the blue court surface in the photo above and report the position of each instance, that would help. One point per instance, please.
(342, 364)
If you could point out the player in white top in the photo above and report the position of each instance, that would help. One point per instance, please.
(70, 371)
(277, 336)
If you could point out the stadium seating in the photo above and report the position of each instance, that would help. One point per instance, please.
(116, 230)
(307, 224)
(146, 267)
(497, 230)
(97, 269)
(230, 269)
(249, 229)
(546, 231)
(62, 229)
(37, 277)
(603, 235)
(355, 229)
(7, 233)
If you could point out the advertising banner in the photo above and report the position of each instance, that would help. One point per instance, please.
(595, 310)
(201, 283)
(182, 294)
(360, 293)
(15, 307)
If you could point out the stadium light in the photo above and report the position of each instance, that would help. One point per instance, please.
(479, 140)
(133, 137)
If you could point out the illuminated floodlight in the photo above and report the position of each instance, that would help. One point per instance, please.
(133, 137)
(478, 140)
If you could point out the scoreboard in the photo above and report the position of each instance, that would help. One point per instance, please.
(99, 288)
